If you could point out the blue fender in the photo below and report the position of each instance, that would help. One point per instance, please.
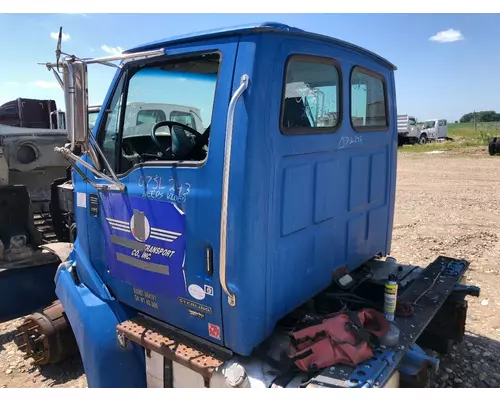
(106, 363)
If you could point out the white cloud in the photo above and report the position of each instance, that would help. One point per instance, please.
(55, 36)
(451, 35)
(11, 83)
(114, 51)
(46, 84)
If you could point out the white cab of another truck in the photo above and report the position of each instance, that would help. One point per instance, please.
(151, 113)
(434, 129)
(408, 130)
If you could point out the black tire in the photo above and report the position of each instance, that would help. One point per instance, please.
(492, 146)
(422, 139)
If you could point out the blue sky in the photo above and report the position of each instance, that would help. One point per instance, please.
(447, 76)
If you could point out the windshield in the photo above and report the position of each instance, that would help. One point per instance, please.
(412, 121)
(429, 124)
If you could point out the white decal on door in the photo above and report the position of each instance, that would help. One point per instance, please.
(81, 200)
(196, 291)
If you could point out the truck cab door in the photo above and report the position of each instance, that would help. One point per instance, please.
(431, 129)
(156, 245)
(442, 129)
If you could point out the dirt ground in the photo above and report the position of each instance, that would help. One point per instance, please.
(447, 204)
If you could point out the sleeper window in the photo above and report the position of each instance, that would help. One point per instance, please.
(311, 96)
(368, 100)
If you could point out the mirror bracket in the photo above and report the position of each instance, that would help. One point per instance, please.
(115, 184)
(81, 140)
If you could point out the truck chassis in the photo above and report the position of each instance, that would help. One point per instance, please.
(434, 301)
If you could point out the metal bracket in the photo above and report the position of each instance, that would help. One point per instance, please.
(73, 159)
(122, 340)
(454, 268)
(366, 374)
(466, 290)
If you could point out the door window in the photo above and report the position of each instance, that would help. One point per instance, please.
(110, 130)
(173, 86)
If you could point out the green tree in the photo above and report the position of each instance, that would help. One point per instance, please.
(481, 116)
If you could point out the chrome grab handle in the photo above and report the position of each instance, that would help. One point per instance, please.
(225, 187)
(51, 124)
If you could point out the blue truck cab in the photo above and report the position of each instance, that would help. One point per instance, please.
(230, 177)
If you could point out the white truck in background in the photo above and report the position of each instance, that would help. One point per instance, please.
(139, 113)
(411, 132)
(433, 130)
(408, 130)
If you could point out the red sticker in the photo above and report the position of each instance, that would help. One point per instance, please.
(214, 331)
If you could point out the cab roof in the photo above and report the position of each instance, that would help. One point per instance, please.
(267, 27)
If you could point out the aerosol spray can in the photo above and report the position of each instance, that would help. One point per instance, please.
(390, 297)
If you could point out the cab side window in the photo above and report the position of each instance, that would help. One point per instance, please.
(311, 98)
(368, 100)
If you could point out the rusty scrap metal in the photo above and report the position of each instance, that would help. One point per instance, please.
(46, 336)
(200, 360)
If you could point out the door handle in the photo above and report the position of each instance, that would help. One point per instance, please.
(209, 261)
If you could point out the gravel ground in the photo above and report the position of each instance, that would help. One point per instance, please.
(446, 205)
(449, 205)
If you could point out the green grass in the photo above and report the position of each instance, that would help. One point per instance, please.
(463, 136)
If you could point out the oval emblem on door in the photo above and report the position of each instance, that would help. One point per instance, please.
(196, 291)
